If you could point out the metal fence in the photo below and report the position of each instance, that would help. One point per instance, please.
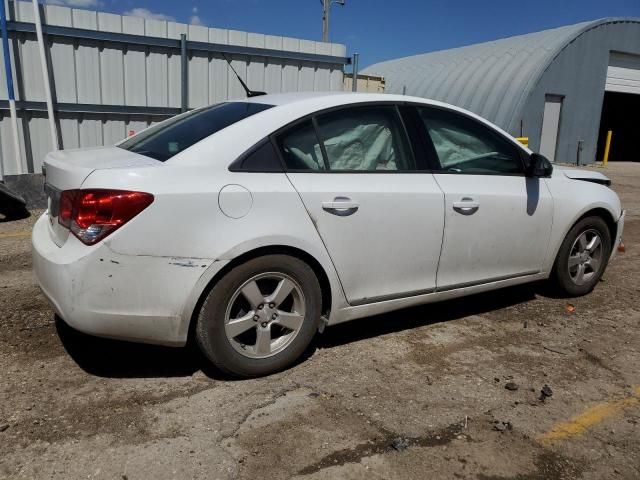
(112, 74)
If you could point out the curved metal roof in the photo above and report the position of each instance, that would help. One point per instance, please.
(492, 79)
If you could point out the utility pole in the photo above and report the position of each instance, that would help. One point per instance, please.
(326, 8)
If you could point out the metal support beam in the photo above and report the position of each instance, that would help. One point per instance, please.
(184, 73)
(30, 106)
(354, 80)
(11, 104)
(174, 44)
(45, 76)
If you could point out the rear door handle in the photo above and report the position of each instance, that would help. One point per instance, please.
(341, 206)
(466, 206)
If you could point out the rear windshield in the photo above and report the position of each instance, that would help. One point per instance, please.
(169, 138)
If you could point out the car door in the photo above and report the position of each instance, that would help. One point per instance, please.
(497, 220)
(380, 217)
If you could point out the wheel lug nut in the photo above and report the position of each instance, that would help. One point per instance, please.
(264, 324)
(260, 307)
(274, 316)
(256, 317)
(271, 305)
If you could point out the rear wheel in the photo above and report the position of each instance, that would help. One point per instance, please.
(261, 316)
(582, 257)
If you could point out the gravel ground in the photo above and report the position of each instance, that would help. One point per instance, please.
(451, 390)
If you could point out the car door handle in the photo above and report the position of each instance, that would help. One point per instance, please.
(341, 206)
(466, 206)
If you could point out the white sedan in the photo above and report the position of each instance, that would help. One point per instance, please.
(250, 225)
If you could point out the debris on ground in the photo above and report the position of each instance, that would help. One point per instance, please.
(570, 308)
(3, 426)
(545, 393)
(513, 386)
(400, 444)
(502, 426)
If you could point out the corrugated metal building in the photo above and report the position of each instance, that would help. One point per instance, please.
(113, 74)
(563, 88)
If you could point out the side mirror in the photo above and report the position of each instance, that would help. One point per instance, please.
(539, 166)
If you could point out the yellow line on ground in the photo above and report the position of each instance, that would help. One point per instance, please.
(579, 424)
(15, 234)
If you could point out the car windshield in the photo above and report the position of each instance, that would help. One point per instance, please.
(165, 140)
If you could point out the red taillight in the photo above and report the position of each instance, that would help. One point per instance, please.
(67, 200)
(93, 214)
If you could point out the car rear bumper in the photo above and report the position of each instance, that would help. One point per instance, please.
(128, 297)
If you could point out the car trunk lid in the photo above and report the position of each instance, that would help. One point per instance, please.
(68, 169)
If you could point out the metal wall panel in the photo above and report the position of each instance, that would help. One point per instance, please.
(290, 69)
(198, 69)
(234, 89)
(111, 62)
(218, 67)
(87, 60)
(97, 72)
(174, 30)
(62, 55)
(135, 73)
(157, 70)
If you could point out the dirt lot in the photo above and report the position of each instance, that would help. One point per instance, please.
(415, 394)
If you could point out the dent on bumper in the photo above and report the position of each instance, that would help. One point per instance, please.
(104, 293)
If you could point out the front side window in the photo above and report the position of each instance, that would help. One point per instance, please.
(464, 145)
(169, 138)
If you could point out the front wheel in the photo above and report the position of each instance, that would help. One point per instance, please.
(582, 257)
(261, 316)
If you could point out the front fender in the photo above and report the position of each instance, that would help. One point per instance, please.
(573, 199)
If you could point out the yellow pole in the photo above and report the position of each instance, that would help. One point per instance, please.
(607, 147)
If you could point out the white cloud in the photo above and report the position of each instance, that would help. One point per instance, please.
(148, 14)
(76, 3)
(195, 20)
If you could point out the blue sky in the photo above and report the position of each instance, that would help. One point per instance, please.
(378, 29)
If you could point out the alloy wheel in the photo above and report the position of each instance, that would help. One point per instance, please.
(585, 257)
(264, 315)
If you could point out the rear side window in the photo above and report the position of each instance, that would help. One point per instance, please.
(165, 140)
(464, 145)
(365, 139)
(352, 139)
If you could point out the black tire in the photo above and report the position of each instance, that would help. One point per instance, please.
(561, 275)
(210, 328)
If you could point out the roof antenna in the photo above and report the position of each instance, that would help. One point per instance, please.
(250, 93)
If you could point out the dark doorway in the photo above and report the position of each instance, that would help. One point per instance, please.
(620, 115)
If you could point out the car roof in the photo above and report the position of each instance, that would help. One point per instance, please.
(317, 100)
(280, 99)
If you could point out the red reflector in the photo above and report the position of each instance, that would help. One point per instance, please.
(96, 213)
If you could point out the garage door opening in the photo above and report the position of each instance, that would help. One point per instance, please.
(620, 115)
(620, 108)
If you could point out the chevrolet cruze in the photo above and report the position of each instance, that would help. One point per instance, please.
(250, 225)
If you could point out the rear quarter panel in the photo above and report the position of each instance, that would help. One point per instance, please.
(186, 222)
